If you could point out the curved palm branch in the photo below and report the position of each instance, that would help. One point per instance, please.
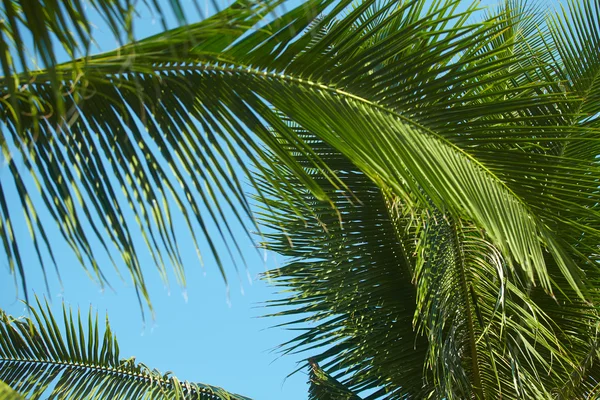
(37, 358)
(393, 87)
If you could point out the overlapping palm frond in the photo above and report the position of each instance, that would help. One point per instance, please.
(38, 358)
(339, 262)
(472, 326)
(575, 36)
(391, 86)
(490, 332)
(147, 130)
(490, 329)
(460, 258)
(35, 32)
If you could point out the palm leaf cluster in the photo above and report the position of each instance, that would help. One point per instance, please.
(465, 265)
(35, 32)
(144, 132)
(431, 175)
(39, 358)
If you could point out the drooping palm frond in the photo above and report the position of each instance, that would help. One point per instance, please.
(408, 106)
(335, 281)
(145, 133)
(77, 361)
(392, 87)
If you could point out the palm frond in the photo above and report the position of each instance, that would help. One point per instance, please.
(360, 328)
(371, 108)
(486, 330)
(40, 30)
(136, 143)
(420, 111)
(393, 89)
(76, 361)
(490, 332)
(575, 36)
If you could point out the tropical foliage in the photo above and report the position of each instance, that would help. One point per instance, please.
(429, 171)
(37, 357)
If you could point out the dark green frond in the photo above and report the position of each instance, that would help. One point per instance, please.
(486, 330)
(77, 360)
(150, 139)
(347, 271)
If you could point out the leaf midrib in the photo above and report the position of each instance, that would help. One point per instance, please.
(158, 380)
(234, 67)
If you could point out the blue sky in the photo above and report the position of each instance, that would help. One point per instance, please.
(205, 333)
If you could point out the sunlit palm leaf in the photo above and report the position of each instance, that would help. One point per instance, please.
(462, 165)
(143, 133)
(393, 88)
(77, 361)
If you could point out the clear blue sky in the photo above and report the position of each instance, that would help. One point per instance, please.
(211, 337)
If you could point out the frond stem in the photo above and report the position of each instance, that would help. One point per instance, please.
(154, 380)
(460, 263)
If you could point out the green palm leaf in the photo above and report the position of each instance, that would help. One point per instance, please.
(123, 157)
(459, 258)
(77, 361)
(478, 327)
(367, 71)
(338, 261)
(490, 332)
(53, 27)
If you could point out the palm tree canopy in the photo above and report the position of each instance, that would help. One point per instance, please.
(130, 118)
(399, 293)
(432, 177)
(39, 357)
